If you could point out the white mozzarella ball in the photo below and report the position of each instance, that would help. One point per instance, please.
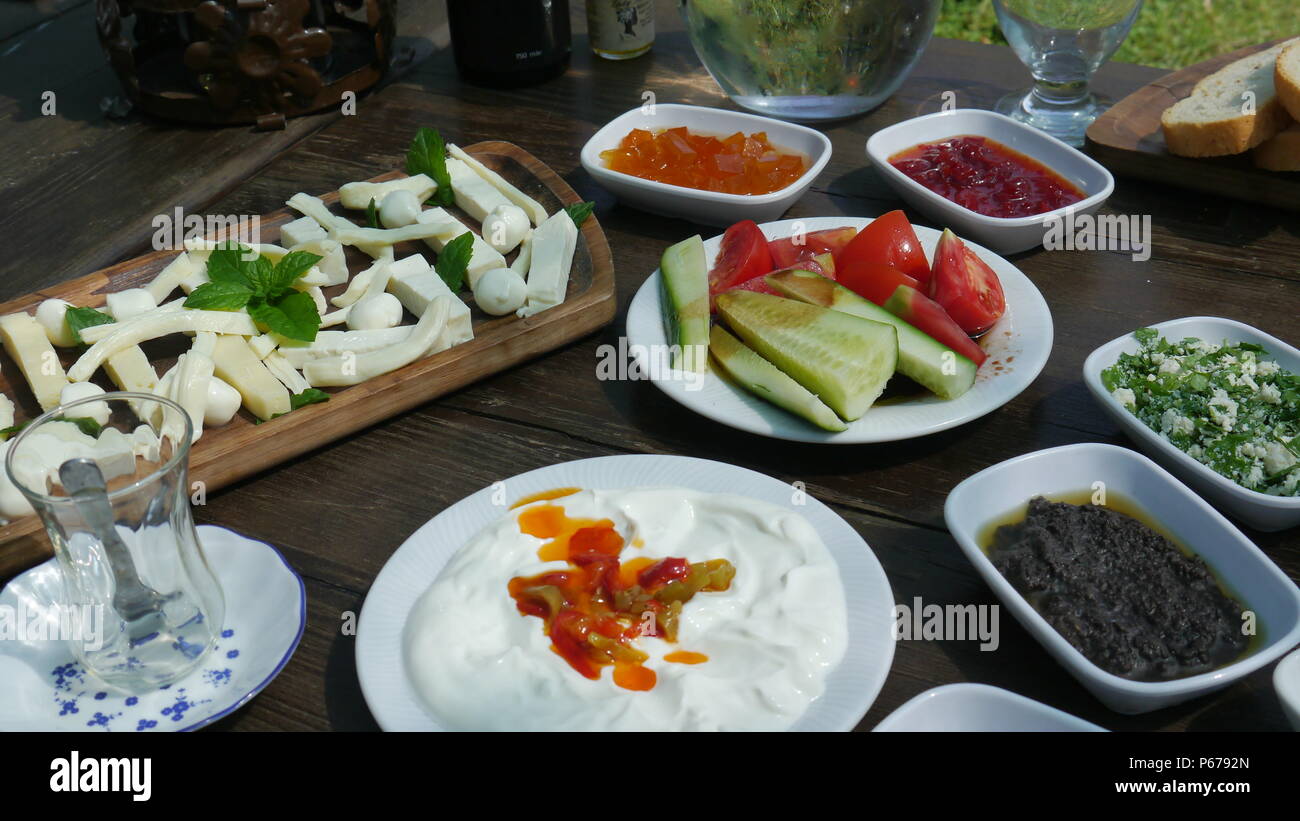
(399, 208)
(98, 411)
(504, 227)
(132, 302)
(223, 403)
(50, 314)
(500, 291)
(376, 312)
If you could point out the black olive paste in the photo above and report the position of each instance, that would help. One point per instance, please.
(1122, 594)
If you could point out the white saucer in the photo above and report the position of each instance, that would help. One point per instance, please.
(850, 688)
(43, 689)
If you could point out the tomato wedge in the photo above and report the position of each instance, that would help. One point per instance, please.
(743, 256)
(790, 251)
(965, 286)
(823, 264)
(927, 316)
(888, 240)
(874, 280)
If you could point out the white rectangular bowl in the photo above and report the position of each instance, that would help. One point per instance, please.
(1286, 682)
(706, 207)
(994, 492)
(1258, 510)
(1001, 234)
(980, 708)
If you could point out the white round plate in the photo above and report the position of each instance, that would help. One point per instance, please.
(1019, 344)
(850, 688)
(43, 689)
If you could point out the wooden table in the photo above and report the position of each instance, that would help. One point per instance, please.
(339, 513)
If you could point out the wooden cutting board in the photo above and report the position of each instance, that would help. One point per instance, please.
(242, 448)
(1127, 139)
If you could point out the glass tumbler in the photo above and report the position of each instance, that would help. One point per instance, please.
(108, 477)
(1062, 43)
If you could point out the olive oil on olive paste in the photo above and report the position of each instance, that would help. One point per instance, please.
(1127, 597)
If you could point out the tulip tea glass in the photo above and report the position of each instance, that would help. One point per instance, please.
(108, 477)
(1062, 42)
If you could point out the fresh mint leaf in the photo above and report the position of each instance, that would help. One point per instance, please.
(579, 211)
(226, 264)
(85, 424)
(13, 430)
(78, 319)
(293, 315)
(261, 274)
(219, 296)
(372, 218)
(428, 155)
(454, 260)
(308, 397)
(287, 271)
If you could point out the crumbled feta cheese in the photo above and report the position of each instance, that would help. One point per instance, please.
(1277, 458)
(1170, 366)
(1267, 368)
(1270, 394)
(1125, 397)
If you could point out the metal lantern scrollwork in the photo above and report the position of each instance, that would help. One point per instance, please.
(244, 61)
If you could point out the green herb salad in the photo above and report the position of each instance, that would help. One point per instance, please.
(1229, 406)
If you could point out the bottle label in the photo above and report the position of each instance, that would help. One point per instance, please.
(621, 26)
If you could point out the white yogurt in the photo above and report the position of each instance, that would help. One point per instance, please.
(771, 639)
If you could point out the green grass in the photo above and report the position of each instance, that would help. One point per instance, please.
(1168, 33)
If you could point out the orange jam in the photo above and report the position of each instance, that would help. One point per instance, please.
(737, 164)
(595, 609)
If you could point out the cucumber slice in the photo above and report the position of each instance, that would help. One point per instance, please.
(922, 358)
(684, 281)
(843, 359)
(763, 379)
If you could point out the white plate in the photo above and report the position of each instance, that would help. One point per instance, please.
(1007, 235)
(1020, 343)
(42, 688)
(979, 708)
(1259, 510)
(1258, 583)
(850, 688)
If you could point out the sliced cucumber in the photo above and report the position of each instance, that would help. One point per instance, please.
(684, 281)
(763, 379)
(922, 358)
(843, 359)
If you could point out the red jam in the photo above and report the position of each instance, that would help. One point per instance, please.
(986, 177)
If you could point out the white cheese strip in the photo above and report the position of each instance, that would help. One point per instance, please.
(262, 345)
(357, 287)
(129, 303)
(531, 207)
(357, 195)
(152, 325)
(170, 278)
(416, 288)
(315, 208)
(189, 387)
(286, 373)
(301, 231)
(337, 317)
(525, 256)
(351, 369)
(482, 257)
(130, 371)
(474, 195)
(357, 235)
(200, 249)
(333, 266)
(25, 340)
(552, 256)
(335, 343)
(236, 363)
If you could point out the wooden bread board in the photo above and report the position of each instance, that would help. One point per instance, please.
(240, 449)
(1128, 140)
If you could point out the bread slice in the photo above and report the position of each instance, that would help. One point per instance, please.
(1280, 153)
(1286, 79)
(1215, 119)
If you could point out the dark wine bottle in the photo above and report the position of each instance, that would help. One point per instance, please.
(509, 43)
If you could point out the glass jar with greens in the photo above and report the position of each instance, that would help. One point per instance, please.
(809, 59)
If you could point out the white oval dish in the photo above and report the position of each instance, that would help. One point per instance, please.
(993, 493)
(707, 207)
(850, 687)
(1286, 682)
(979, 708)
(1004, 235)
(1259, 510)
(43, 689)
(1023, 335)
